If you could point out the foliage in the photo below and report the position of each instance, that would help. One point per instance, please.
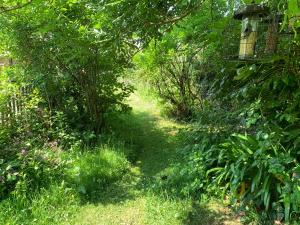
(54, 205)
(83, 76)
(179, 65)
(32, 170)
(77, 50)
(71, 56)
(245, 142)
(175, 79)
(262, 172)
(50, 179)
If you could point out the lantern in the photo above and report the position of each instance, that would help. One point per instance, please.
(251, 15)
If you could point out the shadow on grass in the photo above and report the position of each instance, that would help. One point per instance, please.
(114, 193)
(149, 147)
(153, 145)
(204, 215)
(156, 147)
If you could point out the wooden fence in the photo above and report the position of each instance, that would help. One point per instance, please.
(13, 108)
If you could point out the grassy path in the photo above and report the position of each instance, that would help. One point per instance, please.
(131, 201)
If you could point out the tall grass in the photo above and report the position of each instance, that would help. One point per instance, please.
(93, 170)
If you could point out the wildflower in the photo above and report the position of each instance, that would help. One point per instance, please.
(53, 144)
(24, 152)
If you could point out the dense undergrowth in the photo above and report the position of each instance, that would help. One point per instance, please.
(49, 168)
(47, 184)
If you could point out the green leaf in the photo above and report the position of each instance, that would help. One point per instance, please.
(213, 170)
(256, 180)
(245, 72)
(287, 207)
(81, 189)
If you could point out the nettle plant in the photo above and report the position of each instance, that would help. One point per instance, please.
(31, 170)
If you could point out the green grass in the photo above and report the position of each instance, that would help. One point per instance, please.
(92, 171)
(161, 210)
(115, 183)
(88, 174)
(51, 206)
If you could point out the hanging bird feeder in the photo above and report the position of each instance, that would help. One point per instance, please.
(250, 15)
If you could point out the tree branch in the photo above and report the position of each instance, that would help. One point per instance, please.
(18, 6)
(188, 11)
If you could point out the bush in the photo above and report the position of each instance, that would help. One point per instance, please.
(32, 170)
(83, 82)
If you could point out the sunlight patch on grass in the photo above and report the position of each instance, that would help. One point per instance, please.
(123, 213)
(139, 105)
(162, 211)
(93, 170)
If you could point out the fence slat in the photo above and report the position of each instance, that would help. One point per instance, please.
(13, 108)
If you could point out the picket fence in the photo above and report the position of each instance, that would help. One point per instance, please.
(13, 108)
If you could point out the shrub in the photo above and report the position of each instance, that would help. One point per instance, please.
(32, 170)
(259, 170)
